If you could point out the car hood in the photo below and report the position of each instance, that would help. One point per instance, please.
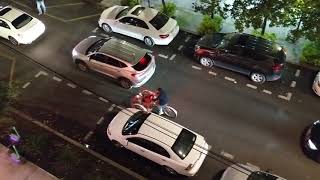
(112, 12)
(168, 27)
(83, 46)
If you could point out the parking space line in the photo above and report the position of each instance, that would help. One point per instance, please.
(62, 5)
(100, 120)
(89, 134)
(180, 47)
(95, 30)
(163, 56)
(187, 39)
(56, 79)
(288, 97)
(212, 73)
(21, 4)
(103, 99)
(227, 155)
(172, 57)
(26, 85)
(196, 67)
(266, 91)
(86, 92)
(83, 17)
(71, 85)
(251, 86)
(111, 107)
(54, 17)
(293, 84)
(297, 73)
(41, 73)
(230, 79)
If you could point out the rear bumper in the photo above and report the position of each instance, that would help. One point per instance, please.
(136, 84)
(166, 41)
(273, 77)
(316, 88)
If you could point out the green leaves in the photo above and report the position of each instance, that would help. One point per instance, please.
(209, 25)
(209, 7)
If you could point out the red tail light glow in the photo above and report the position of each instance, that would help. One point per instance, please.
(164, 36)
(277, 67)
(133, 74)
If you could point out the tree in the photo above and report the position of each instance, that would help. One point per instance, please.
(210, 8)
(164, 6)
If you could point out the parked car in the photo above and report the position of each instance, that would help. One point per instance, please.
(19, 27)
(247, 172)
(143, 23)
(131, 65)
(260, 59)
(174, 147)
(316, 84)
(311, 141)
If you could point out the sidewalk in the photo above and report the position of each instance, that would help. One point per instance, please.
(10, 170)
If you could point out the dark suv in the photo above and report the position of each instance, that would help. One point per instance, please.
(260, 59)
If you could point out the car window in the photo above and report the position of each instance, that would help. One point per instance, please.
(184, 143)
(142, 24)
(159, 20)
(122, 13)
(138, 10)
(258, 175)
(100, 58)
(134, 123)
(21, 21)
(122, 65)
(113, 62)
(127, 20)
(4, 24)
(150, 146)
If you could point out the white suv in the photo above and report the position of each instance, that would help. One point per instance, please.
(174, 147)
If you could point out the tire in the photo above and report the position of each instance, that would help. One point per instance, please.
(125, 83)
(148, 41)
(257, 77)
(106, 28)
(82, 66)
(13, 41)
(170, 111)
(206, 61)
(170, 170)
(116, 144)
(139, 106)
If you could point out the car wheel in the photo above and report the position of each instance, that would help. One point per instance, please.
(82, 66)
(106, 28)
(116, 144)
(125, 83)
(206, 61)
(13, 41)
(258, 77)
(148, 41)
(170, 170)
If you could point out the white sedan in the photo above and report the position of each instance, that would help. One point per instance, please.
(174, 147)
(140, 22)
(19, 27)
(316, 84)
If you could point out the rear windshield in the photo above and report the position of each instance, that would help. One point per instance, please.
(257, 175)
(96, 46)
(4, 11)
(134, 123)
(159, 20)
(184, 143)
(21, 21)
(143, 63)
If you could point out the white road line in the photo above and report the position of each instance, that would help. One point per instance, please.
(83, 17)
(62, 5)
(26, 85)
(100, 120)
(266, 91)
(111, 107)
(196, 67)
(21, 4)
(41, 73)
(172, 57)
(95, 30)
(86, 92)
(163, 56)
(297, 73)
(288, 97)
(251, 86)
(187, 39)
(227, 155)
(212, 73)
(293, 84)
(89, 134)
(230, 79)
(71, 85)
(120, 107)
(103, 99)
(56, 79)
(180, 47)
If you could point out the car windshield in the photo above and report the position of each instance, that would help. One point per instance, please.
(122, 13)
(258, 175)
(4, 11)
(21, 21)
(96, 46)
(134, 123)
(159, 20)
(184, 143)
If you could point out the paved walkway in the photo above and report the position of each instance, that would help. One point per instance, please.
(10, 170)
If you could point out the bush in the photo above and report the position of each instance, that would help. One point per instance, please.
(35, 145)
(130, 3)
(8, 94)
(170, 9)
(270, 36)
(311, 53)
(209, 25)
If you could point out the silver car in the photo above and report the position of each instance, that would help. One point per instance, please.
(131, 65)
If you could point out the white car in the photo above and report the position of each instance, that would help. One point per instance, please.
(247, 172)
(174, 147)
(19, 27)
(143, 23)
(316, 84)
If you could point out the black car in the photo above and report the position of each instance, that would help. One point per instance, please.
(311, 141)
(262, 60)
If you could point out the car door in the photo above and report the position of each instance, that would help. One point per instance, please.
(142, 29)
(5, 30)
(125, 26)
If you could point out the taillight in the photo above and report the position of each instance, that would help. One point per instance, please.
(164, 36)
(109, 132)
(277, 67)
(133, 74)
(189, 167)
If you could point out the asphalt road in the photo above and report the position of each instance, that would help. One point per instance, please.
(247, 123)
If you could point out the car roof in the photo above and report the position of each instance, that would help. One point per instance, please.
(123, 50)
(11, 14)
(142, 12)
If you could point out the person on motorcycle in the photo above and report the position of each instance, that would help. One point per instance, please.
(162, 99)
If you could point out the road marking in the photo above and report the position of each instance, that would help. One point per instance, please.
(163, 56)
(21, 4)
(54, 17)
(41, 73)
(288, 97)
(95, 30)
(12, 67)
(230, 79)
(103, 99)
(89, 134)
(111, 107)
(62, 5)
(83, 17)
(172, 57)
(180, 47)
(266, 91)
(26, 85)
(227, 155)
(100, 120)
(187, 39)
(251, 86)
(212, 73)
(196, 67)
(56, 79)
(104, 35)
(120, 107)
(71, 85)
(297, 73)
(86, 92)
(293, 84)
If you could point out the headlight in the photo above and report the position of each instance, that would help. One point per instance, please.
(74, 52)
(311, 145)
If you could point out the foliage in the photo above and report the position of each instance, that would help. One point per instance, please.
(35, 144)
(209, 7)
(8, 94)
(209, 25)
(269, 36)
(130, 3)
(311, 53)
(169, 9)
(6, 122)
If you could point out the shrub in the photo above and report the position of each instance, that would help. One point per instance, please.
(209, 25)
(270, 36)
(130, 3)
(8, 94)
(35, 145)
(170, 9)
(311, 53)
